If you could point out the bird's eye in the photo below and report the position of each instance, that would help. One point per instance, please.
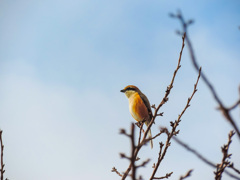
(130, 89)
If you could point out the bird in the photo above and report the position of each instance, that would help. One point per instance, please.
(139, 106)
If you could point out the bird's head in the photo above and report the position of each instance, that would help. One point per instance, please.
(130, 90)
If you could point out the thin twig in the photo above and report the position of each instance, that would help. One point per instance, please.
(116, 171)
(165, 99)
(143, 163)
(231, 166)
(186, 175)
(164, 177)
(155, 136)
(2, 165)
(140, 133)
(234, 106)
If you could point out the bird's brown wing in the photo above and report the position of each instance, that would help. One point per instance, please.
(147, 104)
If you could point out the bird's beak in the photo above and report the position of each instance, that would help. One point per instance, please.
(123, 91)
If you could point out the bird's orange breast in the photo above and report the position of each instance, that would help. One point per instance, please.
(137, 108)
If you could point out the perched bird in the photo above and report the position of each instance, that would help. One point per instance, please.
(139, 106)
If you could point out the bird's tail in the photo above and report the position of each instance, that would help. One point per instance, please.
(149, 134)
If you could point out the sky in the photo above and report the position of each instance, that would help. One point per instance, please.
(63, 64)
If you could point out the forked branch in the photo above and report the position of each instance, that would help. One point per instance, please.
(222, 107)
(205, 160)
(174, 131)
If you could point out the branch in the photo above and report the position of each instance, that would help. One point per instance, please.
(224, 110)
(133, 158)
(2, 165)
(186, 175)
(161, 131)
(116, 171)
(165, 99)
(225, 160)
(143, 163)
(174, 127)
(205, 160)
(164, 177)
(231, 165)
(140, 132)
(234, 106)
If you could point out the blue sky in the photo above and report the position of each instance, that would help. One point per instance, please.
(63, 63)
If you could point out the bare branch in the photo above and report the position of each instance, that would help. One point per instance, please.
(201, 157)
(224, 110)
(133, 158)
(153, 106)
(116, 171)
(174, 132)
(143, 163)
(122, 155)
(186, 175)
(160, 114)
(2, 165)
(140, 132)
(234, 106)
(165, 99)
(225, 160)
(123, 131)
(155, 135)
(164, 177)
(231, 165)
